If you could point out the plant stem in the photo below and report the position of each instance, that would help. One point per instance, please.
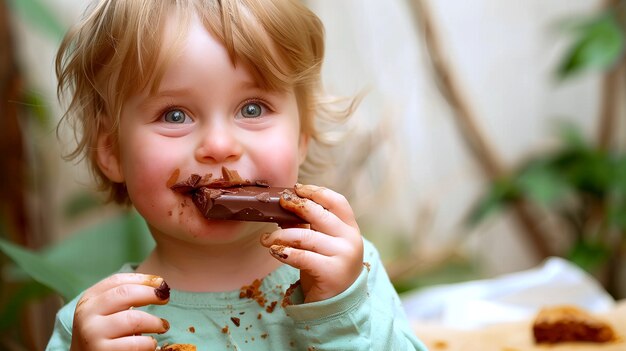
(611, 91)
(469, 127)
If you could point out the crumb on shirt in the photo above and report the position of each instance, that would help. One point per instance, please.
(253, 292)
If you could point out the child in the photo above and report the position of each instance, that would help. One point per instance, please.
(179, 87)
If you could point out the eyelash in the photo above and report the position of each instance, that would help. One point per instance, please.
(256, 100)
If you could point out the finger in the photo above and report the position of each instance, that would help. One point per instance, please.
(307, 261)
(121, 297)
(330, 200)
(305, 239)
(132, 343)
(134, 322)
(320, 218)
(125, 278)
(295, 225)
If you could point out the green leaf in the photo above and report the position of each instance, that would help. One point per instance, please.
(39, 108)
(500, 193)
(619, 176)
(616, 214)
(588, 170)
(37, 14)
(572, 136)
(98, 251)
(80, 203)
(589, 255)
(42, 270)
(453, 270)
(86, 257)
(599, 45)
(542, 184)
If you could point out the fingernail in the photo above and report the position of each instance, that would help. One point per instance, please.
(265, 237)
(163, 291)
(287, 195)
(155, 280)
(292, 198)
(166, 325)
(278, 251)
(298, 185)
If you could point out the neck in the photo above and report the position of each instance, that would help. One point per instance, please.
(197, 267)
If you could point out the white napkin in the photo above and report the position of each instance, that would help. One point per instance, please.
(507, 298)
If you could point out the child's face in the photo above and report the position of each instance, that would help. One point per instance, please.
(206, 114)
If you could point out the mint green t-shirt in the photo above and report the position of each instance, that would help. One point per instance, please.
(367, 316)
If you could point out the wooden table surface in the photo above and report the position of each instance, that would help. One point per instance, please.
(515, 336)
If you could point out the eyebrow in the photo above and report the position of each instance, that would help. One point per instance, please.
(182, 91)
(169, 92)
(250, 85)
(151, 99)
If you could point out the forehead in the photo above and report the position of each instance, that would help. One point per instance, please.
(201, 63)
(246, 46)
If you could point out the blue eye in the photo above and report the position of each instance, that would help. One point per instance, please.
(251, 110)
(175, 116)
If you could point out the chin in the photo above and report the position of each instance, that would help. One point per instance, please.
(223, 232)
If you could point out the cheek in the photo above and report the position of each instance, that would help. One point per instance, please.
(279, 161)
(147, 169)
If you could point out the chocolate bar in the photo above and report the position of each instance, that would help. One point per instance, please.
(233, 198)
(246, 203)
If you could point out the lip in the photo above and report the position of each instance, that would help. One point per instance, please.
(229, 179)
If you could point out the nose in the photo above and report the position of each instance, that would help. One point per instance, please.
(218, 144)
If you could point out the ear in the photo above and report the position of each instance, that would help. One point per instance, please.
(108, 158)
(303, 147)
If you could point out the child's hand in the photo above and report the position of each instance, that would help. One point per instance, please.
(329, 254)
(105, 319)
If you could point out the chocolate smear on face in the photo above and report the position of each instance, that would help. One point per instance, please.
(186, 185)
(173, 178)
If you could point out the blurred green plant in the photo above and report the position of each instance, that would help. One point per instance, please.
(599, 44)
(37, 14)
(581, 184)
(25, 118)
(74, 264)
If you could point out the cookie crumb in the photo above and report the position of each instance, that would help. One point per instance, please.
(271, 307)
(253, 292)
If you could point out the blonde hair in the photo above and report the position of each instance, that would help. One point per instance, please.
(113, 52)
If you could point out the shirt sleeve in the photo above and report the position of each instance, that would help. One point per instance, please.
(367, 316)
(61, 338)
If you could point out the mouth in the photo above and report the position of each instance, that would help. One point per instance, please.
(232, 197)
